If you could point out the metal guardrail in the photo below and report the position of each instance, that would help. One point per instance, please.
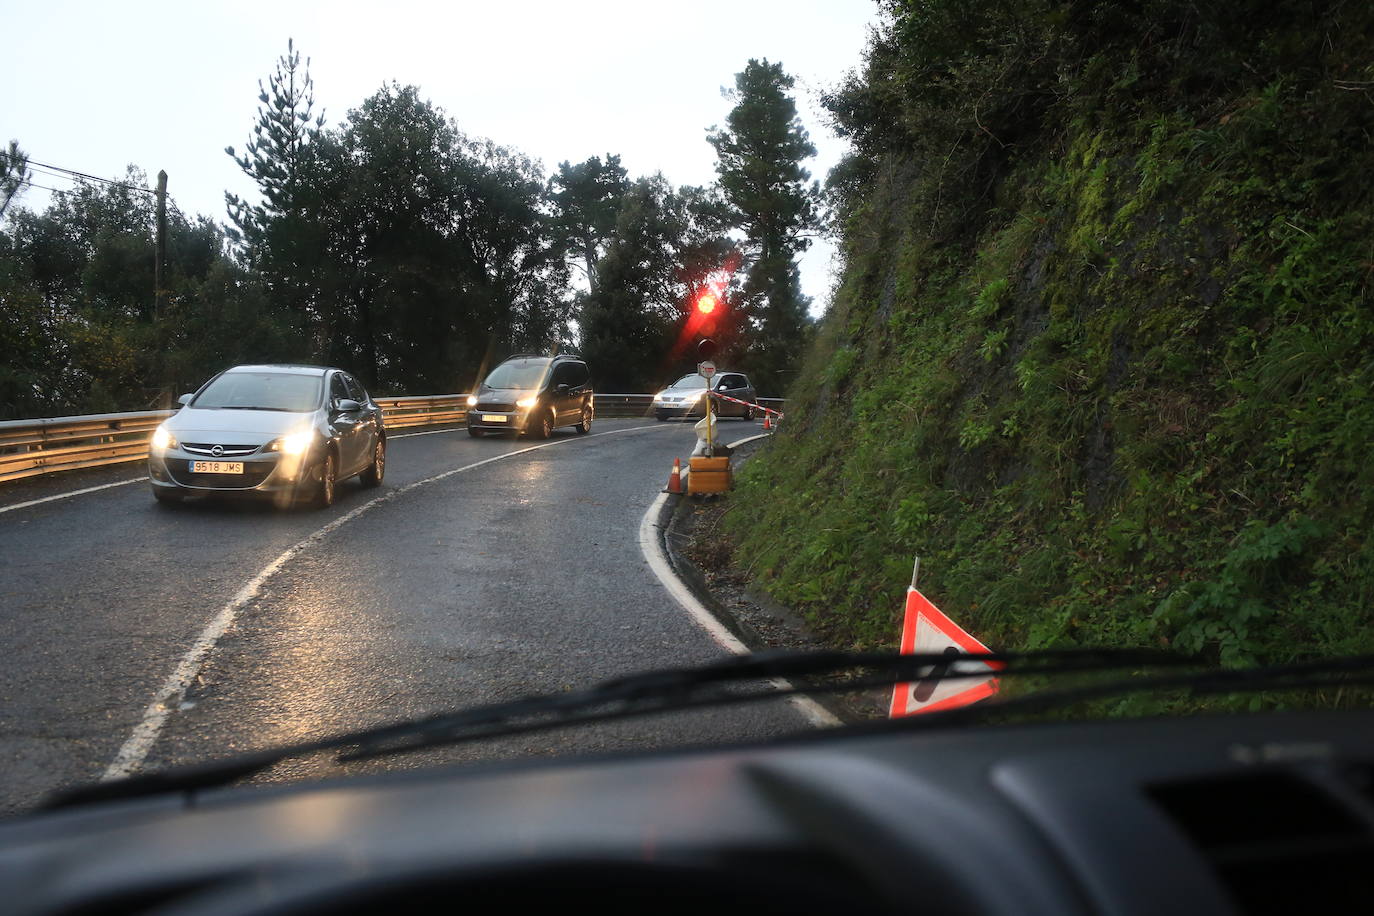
(423, 410)
(32, 447)
(29, 448)
(642, 405)
(623, 405)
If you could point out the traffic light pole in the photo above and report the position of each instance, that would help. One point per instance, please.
(710, 429)
(709, 473)
(706, 348)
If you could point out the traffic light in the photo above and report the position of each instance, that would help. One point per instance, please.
(704, 313)
(706, 310)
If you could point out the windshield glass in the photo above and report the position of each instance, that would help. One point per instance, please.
(1074, 301)
(262, 391)
(519, 374)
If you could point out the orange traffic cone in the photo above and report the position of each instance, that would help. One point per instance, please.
(675, 478)
(767, 423)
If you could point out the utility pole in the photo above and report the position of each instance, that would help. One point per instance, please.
(160, 255)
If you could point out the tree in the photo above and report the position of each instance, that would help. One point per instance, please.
(664, 246)
(77, 331)
(626, 323)
(31, 352)
(273, 236)
(275, 157)
(708, 260)
(760, 151)
(517, 235)
(587, 198)
(14, 171)
(386, 198)
(434, 250)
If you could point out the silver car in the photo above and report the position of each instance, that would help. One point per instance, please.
(287, 432)
(687, 397)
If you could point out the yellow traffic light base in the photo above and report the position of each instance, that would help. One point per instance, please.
(708, 475)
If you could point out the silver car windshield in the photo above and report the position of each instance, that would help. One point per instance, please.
(691, 380)
(521, 373)
(261, 391)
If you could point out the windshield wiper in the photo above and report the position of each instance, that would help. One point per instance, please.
(735, 680)
(639, 694)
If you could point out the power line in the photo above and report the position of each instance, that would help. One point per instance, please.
(57, 171)
(41, 170)
(49, 173)
(45, 187)
(82, 175)
(56, 174)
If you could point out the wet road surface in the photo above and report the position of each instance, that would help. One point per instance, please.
(469, 581)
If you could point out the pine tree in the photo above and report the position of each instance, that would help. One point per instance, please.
(14, 171)
(760, 153)
(275, 157)
(274, 236)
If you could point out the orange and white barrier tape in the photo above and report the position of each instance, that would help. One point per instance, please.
(726, 397)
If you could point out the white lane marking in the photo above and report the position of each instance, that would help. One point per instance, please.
(48, 499)
(738, 442)
(653, 553)
(135, 749)
(650, 545)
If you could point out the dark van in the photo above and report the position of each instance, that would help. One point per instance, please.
(533, 395)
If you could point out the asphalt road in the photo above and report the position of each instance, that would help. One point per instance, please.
(468, 581)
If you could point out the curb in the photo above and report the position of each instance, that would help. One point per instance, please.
(741, 637)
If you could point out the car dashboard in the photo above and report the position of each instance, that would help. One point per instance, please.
(1237, 814)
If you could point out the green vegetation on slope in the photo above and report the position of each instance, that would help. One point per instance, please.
(1103, 352)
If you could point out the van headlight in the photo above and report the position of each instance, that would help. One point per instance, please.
(528, 402)
(472, 400)
(163, 440)
(293, 444)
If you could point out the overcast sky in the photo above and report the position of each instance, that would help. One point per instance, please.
(95, 86)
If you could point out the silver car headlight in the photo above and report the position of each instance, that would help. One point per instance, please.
(163, 440)
(297, 443)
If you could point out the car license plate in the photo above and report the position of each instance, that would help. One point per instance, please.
(216, 467)
(493, 418)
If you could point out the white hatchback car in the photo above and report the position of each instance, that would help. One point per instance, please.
(286, 432)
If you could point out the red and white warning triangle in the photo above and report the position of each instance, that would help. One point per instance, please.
(927, 630)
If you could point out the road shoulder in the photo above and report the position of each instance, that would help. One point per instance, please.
(700, 556)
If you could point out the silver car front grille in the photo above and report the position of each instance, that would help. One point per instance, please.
(215, 450)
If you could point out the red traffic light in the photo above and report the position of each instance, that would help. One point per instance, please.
(706, 304)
